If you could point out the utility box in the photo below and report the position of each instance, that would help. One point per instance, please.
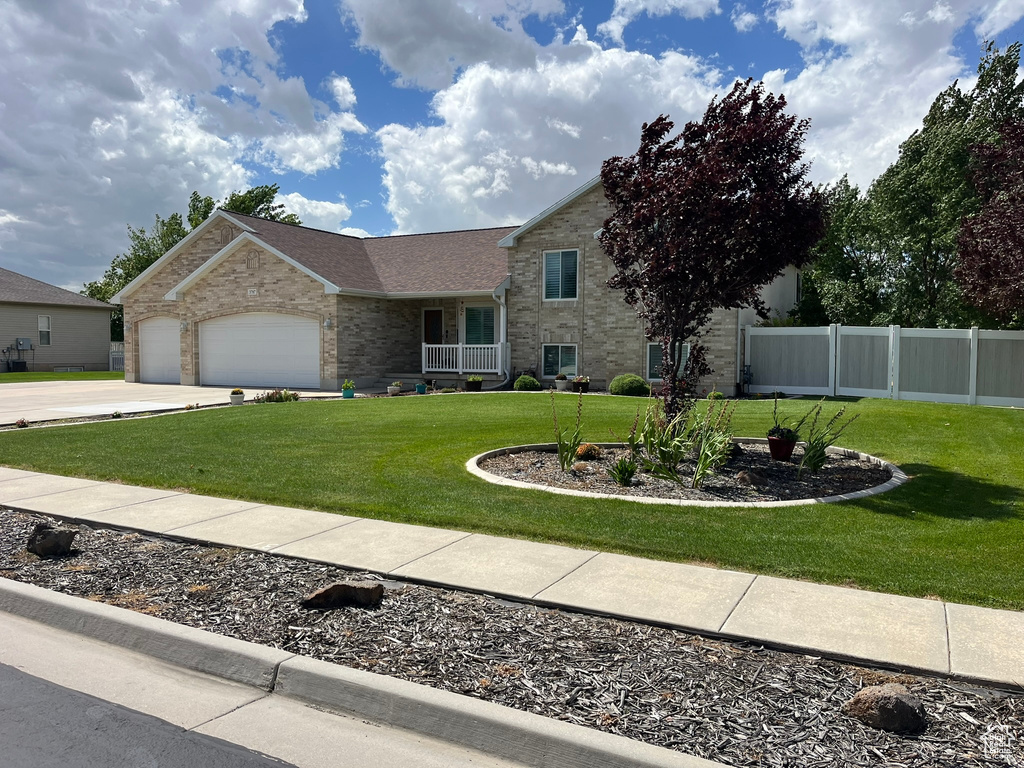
(23, 344)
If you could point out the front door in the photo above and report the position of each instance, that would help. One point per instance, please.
(433, 326)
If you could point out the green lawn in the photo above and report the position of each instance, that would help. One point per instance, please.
(26, 378)
(956, 531)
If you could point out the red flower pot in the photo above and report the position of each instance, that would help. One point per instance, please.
(780, 448)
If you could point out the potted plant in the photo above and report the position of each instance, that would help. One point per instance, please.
(782, 439)
(237, 396)
(581, 384)
(421, 388)
(348, 389)
(395, 388)
(561, 382)
(474, 383)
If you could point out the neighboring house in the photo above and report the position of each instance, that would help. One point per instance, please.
(64, 330)
(243, 301)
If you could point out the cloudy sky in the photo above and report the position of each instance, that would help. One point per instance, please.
(381, 116)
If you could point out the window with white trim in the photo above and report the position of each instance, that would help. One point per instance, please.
(654, 357)
(44, 330)
(560, 274)
(558, 358)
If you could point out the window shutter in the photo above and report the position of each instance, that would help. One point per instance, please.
(569, 274)
(486, 325)
(552, 275)
(473, 325)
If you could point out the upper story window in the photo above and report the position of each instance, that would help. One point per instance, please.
(252, 260)
(44, 330)
(560, 274)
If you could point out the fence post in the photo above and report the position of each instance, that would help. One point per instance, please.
(972, 388)
(894, 361)
(459, 358)
(832, 336)
(837, 359)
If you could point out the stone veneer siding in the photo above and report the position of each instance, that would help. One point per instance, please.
(608, 335)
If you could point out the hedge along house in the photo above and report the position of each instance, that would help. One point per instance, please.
(46, 328)
(563, 317)
(243, 301)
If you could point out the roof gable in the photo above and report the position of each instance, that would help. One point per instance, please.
(16, 288)
(510, 241)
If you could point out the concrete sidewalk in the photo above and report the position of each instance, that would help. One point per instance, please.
(913, 634)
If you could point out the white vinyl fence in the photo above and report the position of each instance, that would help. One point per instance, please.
(934, 364)
(117, 355)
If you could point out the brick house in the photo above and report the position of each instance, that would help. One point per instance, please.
(243, 301)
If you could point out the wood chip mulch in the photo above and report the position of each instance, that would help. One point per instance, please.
(737, 703)
(777, 479)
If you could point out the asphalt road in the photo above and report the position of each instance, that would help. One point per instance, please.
(44, 725)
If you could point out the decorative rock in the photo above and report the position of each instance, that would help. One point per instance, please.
(47, 541)
(749, 477)
(365, 594)
(889, 707)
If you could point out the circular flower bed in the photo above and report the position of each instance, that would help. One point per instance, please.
(749, 478)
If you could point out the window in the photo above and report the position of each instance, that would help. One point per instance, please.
(654, 355)
(559, 358)
(44, 330)
(479, 325)
(560, 275)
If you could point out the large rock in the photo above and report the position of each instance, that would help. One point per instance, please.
(365, 594)
(889, 707)
(47, 541)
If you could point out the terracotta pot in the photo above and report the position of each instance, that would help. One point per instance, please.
(780, 448)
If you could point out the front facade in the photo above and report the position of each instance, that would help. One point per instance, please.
(46, 328)
(243, 301)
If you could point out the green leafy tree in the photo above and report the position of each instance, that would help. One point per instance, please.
(146, 247)
(917, 205)
(259, 201)
(843, 284)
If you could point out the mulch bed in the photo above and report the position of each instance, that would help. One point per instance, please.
(777, 479)
(733, 702)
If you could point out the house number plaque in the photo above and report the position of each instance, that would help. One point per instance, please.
(253, 292)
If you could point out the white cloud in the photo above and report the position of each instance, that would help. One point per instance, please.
(742, 19)
(342, 90)
(318, 214)
(625, 11)
(427, 43)
(113, 110)
(510, 143)
(999, 16)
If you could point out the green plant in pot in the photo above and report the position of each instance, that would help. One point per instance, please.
(782, 438)
(348, 389)
(581, 384)
(395, 388)
(237, 396)
(474, 383)
(561, 382)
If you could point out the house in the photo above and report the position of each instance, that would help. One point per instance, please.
(46, 328)
(243, 301)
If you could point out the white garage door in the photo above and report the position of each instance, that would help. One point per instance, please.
(260, 349)
(160, 351)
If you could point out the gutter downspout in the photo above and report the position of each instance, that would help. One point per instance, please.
(500, 299)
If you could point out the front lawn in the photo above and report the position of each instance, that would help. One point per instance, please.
(956, 531)
(33, 376)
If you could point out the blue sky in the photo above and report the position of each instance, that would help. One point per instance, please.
(381, 116)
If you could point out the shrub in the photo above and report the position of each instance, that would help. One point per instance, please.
(21, 423)
(276, 396)
(629, 384)
(588, 452)
(527, 384)
(448, 390)
(622, 471)
(117, 415)
(714, 394)
(820, 438)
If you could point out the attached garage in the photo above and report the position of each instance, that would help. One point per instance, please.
(260, 349)
(160, 351)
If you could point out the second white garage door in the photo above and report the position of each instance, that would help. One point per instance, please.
(260, 349)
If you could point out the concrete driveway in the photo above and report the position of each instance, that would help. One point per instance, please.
(49, 400)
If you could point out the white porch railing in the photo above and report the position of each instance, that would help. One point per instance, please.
(462, 358)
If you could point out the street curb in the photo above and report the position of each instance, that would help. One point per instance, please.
(225, 657)
(527, 738)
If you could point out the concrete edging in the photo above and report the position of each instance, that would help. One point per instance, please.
(524, 737)
(899, 477)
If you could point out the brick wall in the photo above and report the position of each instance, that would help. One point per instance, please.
(608, 336)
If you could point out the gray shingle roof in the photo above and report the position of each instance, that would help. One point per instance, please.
(19, 289)
(438, 262)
